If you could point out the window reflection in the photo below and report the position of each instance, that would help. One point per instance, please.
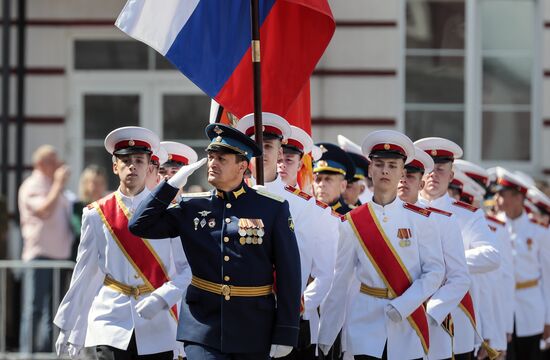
(506, 136)
(435, 24)
(447, 124)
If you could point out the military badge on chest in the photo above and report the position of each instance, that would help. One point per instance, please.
(529, 244)
(202, 221)
(404, 236)
(251, 231)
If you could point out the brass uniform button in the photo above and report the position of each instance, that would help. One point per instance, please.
(226, 258)
(228, 205)
(227, 220)
(225, 239)
(226, 278)
(242, 240)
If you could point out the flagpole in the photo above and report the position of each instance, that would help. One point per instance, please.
(256, 74)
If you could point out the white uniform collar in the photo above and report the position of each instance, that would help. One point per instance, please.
(441, 202)
(132, 202)
(395, 204)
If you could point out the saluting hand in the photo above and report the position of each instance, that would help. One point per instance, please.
(180, 178)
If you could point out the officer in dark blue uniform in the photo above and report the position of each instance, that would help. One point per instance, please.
(361, 165)
(236, 239)
(331, 174)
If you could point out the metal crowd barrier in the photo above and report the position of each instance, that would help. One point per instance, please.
(23, 267)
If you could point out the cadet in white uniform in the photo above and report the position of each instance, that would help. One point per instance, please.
(531, 252)
(457, 280)
(315, 229)
(123, 289)
(395, 255)
(479, 243)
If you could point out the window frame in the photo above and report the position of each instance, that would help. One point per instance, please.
(473, 109)
(149, 84)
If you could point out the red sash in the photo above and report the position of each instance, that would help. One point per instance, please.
(138, 251)
(467, 305)
(383, 256)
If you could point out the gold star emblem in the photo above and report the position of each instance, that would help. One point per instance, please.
(131, 143)
(169, 156)
(386, 146)
(434, 152)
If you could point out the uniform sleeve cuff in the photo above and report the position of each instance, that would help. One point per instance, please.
(285, 335)
(164, 193)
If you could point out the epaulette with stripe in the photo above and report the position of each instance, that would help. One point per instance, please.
(417, 209)
(270, 195)
(321, 204)
(466, 206)
(298, 192)
(495, 220)
(90, 206)
(439, 211)
(196, 195)
(336, 214)
(534, 221)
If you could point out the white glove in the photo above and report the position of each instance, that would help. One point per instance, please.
(74, 350)
(324, 348)
(393, 314)
(278, 351)
(180, 178)
(63, 346)
(150, 306)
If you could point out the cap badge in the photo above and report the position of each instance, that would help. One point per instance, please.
(434, 153)
(218, 139)
(169, 156)
(217, 130)
(322, 163)
(323, 149)
(131, 143)
(387, 146)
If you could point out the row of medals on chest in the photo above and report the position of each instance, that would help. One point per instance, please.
(251, 231)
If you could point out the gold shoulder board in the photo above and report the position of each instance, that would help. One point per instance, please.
(270, 195)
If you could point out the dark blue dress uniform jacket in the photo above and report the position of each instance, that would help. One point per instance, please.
(214, 252)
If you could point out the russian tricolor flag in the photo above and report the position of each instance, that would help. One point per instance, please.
(209, 41)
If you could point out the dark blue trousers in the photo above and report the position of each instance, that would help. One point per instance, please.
(195, 351)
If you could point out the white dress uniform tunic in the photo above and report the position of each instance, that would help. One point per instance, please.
(103, 316)
(502, 285)
(481, 256)
(367, 326)
(317, 236)
(457, 282)
(531, 252)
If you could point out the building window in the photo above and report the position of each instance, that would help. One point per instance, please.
(498, 80)
(434, 70)
(117, 55)
(507, 68)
